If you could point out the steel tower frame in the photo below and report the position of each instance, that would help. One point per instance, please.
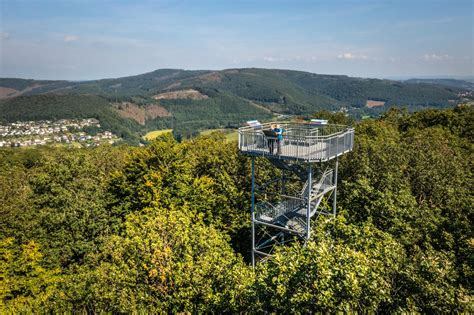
(287, 217)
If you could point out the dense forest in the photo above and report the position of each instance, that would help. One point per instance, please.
(165, 227)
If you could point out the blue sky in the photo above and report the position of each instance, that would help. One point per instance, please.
(80, 40)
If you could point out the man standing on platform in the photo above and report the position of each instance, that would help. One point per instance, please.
(279, 132)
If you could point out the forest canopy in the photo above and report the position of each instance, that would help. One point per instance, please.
(165, 227)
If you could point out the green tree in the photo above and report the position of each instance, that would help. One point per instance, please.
(25, 284)
(167, 260)
(59, 199)
(343, 268)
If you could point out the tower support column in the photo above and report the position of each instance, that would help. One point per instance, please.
(335, 189)
(253, 212)
(308, 198)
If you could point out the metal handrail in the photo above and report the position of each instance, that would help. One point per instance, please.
(325, 178)
(288, 204)
(257, 132)
(290, 125)
(284, 206)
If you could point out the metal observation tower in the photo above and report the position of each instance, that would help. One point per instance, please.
(307, 155)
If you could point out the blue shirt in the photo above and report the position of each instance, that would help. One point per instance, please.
(279, 132)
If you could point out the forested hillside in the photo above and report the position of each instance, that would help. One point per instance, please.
(461, 84)
(165, 228)
(279, 89)
(187, 116)
(221, 98)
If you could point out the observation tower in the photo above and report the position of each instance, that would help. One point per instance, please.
(307, 156)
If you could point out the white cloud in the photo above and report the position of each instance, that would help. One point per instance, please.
(287, 59)
(70, 38)
(4, 35)
(270, 59)
(346, 56)
(394, 59)
(351, 56)
(279, 59)
(436, 57)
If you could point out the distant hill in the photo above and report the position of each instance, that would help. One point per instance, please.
(193, 100)
(460, 84)
(281, 90)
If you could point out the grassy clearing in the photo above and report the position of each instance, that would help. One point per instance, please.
(155, 133)
(233, 136)
(209, 131)
(230, 134)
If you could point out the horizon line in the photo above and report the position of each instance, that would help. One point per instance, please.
(394, 77)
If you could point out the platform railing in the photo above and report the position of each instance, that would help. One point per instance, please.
(299, 141)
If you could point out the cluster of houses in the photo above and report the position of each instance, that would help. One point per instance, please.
(65, 131)
(45, 127)
(466, 94)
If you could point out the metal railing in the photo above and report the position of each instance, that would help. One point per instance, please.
(323, 184)
(265, 211)
(300, 141)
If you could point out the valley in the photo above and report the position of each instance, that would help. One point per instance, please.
(190, 102)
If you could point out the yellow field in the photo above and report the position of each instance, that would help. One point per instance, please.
(155, 133)
(233, 136)
(209, 131)
(230, 135)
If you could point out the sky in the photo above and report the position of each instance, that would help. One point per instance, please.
(80, 40)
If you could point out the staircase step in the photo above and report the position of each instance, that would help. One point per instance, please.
(280, 164)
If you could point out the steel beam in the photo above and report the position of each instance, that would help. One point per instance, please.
(334, 197)
(278, 227)
(308, 210)
(262, 253)
(253, 212)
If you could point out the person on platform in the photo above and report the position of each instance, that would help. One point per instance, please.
(271, 139)
(279, 132)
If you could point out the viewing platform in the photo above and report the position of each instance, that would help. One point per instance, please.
(300, 141)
